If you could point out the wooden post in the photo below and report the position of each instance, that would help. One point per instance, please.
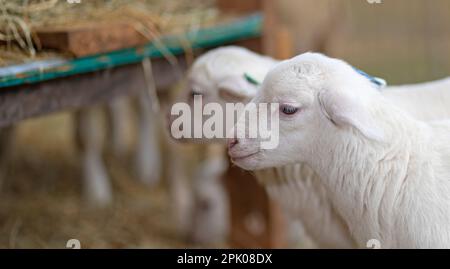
(256, 220)
(277, 40)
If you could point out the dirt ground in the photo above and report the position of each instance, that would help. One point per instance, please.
(42, 207)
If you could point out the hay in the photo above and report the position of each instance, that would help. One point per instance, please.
(19, 19)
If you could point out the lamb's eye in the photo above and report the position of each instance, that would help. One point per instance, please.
(288, 110)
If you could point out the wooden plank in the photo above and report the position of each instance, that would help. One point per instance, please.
(239, 6)
(26, 101)
(90, 39)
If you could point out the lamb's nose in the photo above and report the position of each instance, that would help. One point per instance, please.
(232, 142)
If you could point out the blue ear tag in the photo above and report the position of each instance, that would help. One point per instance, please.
(381, 83)
(251, 80)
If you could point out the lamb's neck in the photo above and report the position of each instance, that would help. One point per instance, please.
(299, 192)
(365, 178)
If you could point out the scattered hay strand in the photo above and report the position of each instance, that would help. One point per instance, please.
(19, 19)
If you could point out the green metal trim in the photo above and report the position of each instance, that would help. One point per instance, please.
(248, 27)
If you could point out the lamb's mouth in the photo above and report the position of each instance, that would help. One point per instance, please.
(243, 157)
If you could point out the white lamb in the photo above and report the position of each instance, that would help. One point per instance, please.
(296, 186)
(425, 101)
(299, 190)
(210, 76)
(384, 172)
(320, 219)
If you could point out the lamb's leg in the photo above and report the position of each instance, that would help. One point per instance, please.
(96, 185)
(211, 209)
(148, 159)
(116, 113)
(180, 193)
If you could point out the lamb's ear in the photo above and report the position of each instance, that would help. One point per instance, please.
(236, 89)
(342, 110)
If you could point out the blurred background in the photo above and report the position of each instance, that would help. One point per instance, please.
(41, 205)
(402, 41)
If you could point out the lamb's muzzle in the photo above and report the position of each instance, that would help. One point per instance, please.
(232, 142)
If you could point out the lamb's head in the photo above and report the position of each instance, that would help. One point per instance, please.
(218, 77)
(318, 98)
